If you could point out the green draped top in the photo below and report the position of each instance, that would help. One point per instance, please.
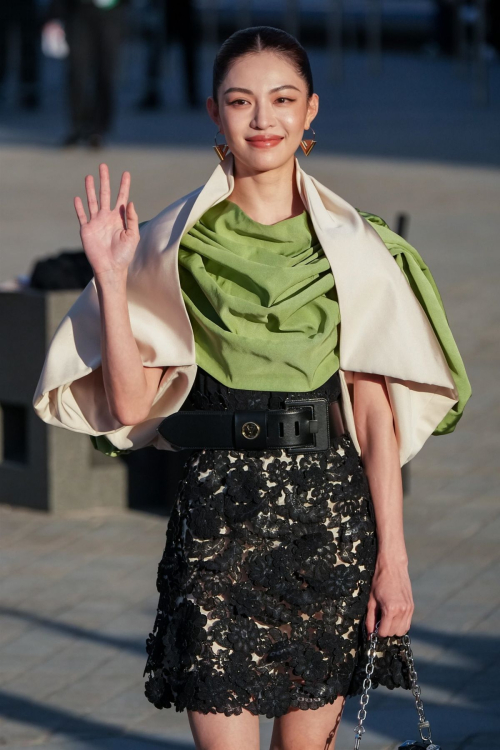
(261, 299)
(263, 306)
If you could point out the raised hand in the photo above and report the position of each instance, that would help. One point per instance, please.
(110, 237)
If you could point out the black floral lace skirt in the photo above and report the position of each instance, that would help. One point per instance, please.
(266, 574)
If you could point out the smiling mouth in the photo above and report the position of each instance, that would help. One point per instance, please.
(265, 139)
(264, 142)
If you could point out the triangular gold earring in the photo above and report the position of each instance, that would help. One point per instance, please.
(221, 149)
(307, 144)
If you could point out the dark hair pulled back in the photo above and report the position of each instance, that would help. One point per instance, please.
(257, 39)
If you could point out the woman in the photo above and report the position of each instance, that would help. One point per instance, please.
(278, 560)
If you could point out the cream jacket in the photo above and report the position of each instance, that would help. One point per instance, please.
(384, 329)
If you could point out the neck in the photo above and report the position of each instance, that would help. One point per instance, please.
(267, 197)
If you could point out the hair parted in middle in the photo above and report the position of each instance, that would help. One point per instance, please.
(256, 39)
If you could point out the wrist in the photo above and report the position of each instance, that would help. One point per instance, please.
(387, 556)
(111, 278)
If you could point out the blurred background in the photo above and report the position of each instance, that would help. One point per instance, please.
(408, 128)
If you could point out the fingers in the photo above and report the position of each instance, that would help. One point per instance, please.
(80, 211)
(123, 193)
(105, 189)
(105, 197)
(105, 192)
(386, 627)
(395, 620)
(91, 196)
(370, 620)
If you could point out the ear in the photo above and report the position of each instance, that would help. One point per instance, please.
(312, 110)
(213, 111)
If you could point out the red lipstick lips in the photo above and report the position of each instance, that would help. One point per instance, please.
(265, 141)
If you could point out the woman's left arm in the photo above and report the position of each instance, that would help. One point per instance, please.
(391, 599)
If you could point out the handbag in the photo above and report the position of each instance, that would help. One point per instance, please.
(425, 742)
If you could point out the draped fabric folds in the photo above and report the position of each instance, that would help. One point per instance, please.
(261, 300)
(426, 291)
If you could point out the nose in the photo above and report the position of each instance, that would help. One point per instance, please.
(263, 116)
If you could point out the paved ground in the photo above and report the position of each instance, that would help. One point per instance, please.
(77, 592)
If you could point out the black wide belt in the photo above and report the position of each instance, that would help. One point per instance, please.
(305, 425)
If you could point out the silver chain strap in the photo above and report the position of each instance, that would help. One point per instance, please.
(423, 724)
(367, 683)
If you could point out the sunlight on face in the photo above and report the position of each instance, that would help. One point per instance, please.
(263, 95)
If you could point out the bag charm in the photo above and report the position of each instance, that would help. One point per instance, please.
(425, 743)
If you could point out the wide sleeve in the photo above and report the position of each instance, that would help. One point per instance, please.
(70, 392)
(426, 291)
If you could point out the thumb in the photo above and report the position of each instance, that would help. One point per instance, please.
(132, 220)
(370, 620)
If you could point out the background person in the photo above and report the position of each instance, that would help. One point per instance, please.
(178, 22)
(94, 32)
(21, 17)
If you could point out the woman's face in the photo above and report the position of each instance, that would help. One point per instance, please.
(263, 110)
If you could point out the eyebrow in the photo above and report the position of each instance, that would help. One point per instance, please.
(247, 91)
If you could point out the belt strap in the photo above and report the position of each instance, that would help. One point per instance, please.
(304, 425)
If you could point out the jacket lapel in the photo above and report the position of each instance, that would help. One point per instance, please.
(384, 328)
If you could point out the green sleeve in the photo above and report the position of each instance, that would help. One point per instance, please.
(424, 287)
(101, 442)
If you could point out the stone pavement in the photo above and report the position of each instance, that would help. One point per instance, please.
(77, 593)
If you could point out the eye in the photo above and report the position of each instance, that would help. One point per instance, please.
(235, 101)
(284, 98)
